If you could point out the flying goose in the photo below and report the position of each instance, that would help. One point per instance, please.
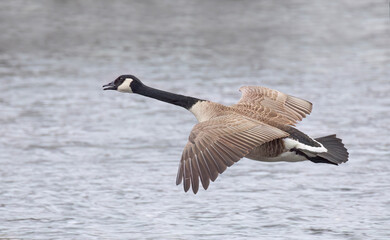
(259, 127)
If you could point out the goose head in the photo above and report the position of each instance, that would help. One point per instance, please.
(124, 83)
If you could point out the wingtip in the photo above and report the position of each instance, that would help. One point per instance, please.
(186, 188)
(206, 186)
(179, 176)
(178, 179)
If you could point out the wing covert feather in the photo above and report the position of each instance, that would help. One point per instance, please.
(291, 109)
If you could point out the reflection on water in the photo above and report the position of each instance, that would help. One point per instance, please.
(77, 162)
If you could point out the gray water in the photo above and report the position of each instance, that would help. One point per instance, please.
(80, 163)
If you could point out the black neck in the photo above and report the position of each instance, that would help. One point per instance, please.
(176, 99)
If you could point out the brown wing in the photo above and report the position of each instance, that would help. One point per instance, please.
(217, 144)
(292, 108)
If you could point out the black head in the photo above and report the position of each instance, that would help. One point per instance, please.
(124, 83)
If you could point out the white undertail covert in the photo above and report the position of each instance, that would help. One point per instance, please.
(291, 143)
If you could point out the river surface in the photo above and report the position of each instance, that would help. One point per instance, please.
(77, 162)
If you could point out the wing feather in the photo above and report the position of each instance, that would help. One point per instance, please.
(274, 105)
(194, 175)
(218, 143)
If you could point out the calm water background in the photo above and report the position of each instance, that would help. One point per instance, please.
(80, 163)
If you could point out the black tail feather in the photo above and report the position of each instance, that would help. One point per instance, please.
(314, 159)
(336, 153)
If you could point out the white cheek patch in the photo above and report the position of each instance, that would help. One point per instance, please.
(125, 86)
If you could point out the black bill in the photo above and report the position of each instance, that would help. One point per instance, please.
(110, 86)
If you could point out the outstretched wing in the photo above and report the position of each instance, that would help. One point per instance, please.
(292, 108)
(218, 143)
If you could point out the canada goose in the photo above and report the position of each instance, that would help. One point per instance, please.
(258, 127)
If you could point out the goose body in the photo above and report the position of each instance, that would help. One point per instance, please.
(261, 126)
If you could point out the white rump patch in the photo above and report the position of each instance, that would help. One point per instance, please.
(125, 86)
(291, 143)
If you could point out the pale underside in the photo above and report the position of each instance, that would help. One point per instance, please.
(251, 128)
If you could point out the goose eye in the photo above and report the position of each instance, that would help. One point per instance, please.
(118, 81)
